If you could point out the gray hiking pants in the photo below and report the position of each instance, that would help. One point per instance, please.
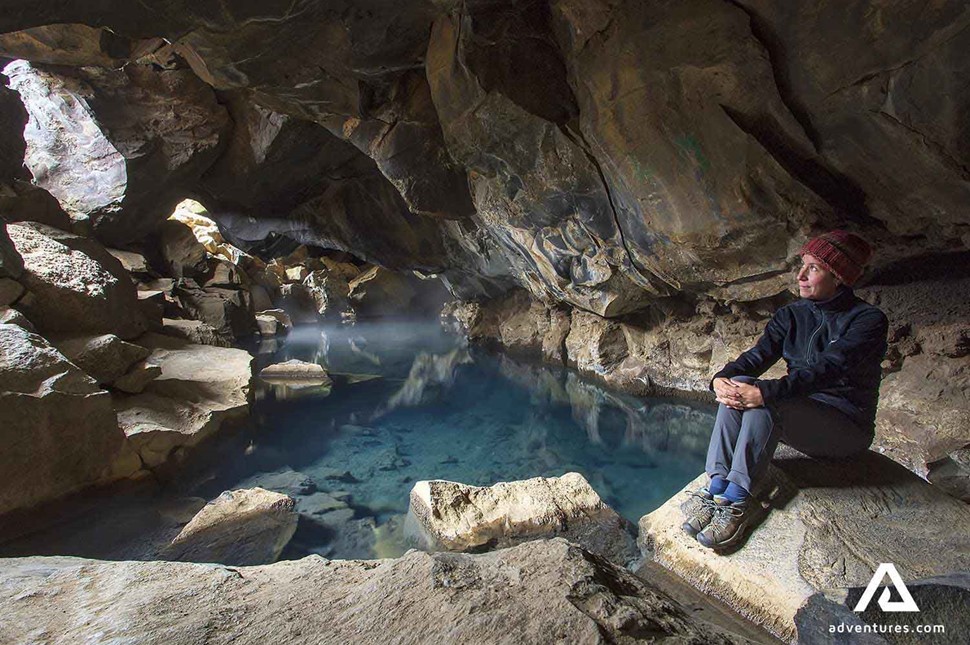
(743, 442)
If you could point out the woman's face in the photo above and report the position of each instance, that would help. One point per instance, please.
(815, 282)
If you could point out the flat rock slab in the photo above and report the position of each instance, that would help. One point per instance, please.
(240, 527)
(295, 370)
(540, 592)
(457, 517)
(830, 525)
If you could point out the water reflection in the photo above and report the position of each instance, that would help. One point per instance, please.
(409, 402)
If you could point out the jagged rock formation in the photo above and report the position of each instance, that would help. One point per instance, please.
(830, 525)
(533, 592)
(644, 170)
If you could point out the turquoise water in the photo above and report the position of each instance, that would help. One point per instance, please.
(408, 402)
(411, 402)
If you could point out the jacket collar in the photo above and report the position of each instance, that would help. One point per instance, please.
(842, 299)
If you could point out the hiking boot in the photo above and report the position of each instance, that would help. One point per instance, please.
(698, 510)
(729, 523)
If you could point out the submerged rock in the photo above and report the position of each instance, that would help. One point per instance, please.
(532, 593)
(458, 517)
(830, 526)
(238, 528)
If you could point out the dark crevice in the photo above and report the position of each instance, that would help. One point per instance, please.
(845, 197)
(777, 61)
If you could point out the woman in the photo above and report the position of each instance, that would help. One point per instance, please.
(833, 343)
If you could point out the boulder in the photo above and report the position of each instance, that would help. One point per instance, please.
(295, 370)
(458, 517)
(75, 285)
(329, 293)
(532, 593)
(106, 358)
(57, 426)
(200, 389)
(225, 310)
(131, 261)
(268, 326)
(238, 528)
(138, 377)
(10, 316)
(830, 524)
(299, 303)
(595, 344)
(379, 292)
(11, 264)
(286, 481)
(281, 317)
(195, 331)
(183, 255)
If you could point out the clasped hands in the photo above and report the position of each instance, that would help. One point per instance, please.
(739, 396)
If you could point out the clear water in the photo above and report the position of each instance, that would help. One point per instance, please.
(411, 402)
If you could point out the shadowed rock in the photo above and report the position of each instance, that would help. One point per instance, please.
(238, 528)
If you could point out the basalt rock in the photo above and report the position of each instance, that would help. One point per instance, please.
(456, 517)
(200, 389)
(58, 427)
(105, 358)
(535, 591)
(110, 146)
(829, 525)
(238, 528)
(75, 285)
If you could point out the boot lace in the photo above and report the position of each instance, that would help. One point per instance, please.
(723, 515)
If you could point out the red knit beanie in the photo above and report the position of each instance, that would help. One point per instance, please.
(844, 254)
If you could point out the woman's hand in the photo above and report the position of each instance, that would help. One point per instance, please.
(739, 396)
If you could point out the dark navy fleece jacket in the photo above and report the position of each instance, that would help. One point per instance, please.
(833, 349)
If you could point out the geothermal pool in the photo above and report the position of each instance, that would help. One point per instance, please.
(409, 401)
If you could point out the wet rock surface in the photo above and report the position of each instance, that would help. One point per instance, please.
(532, 591)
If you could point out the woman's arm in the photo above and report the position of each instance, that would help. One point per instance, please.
(864, 340)
(765, 352)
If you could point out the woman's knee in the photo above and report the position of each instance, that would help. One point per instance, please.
(744, 379)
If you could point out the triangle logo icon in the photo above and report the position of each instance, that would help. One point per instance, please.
(906, 602)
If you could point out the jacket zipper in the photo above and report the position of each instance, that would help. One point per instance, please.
(812, 338)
